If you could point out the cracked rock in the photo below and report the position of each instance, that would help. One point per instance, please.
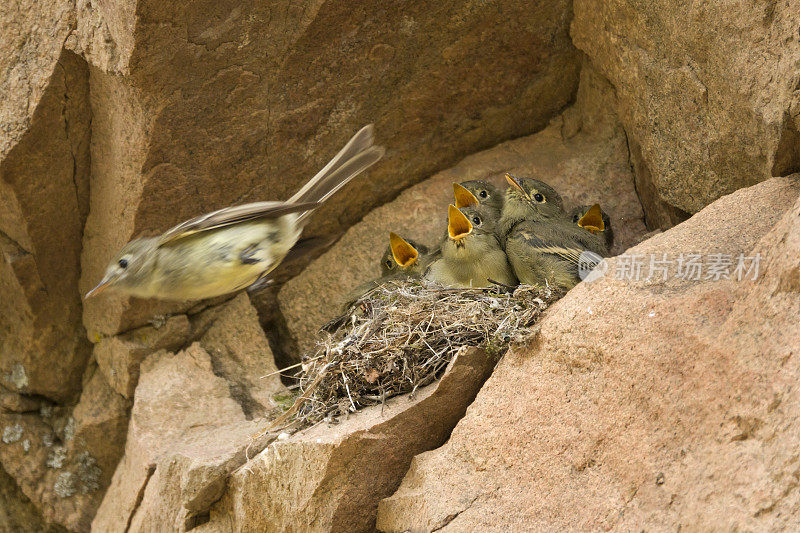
(672, 405)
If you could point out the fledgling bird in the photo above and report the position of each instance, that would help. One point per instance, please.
(402, 259)
(483, 191)
(528, 199)
(230, 249)
(543, 245)
(405, 257)
(595, 220)
(471, 253)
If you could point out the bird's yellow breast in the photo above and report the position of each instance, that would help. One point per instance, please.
(211, 264)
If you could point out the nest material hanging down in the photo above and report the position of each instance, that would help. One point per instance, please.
(401, 336)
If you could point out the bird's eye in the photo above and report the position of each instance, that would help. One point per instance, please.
(575, 219)
(538, 197)
(123, 263)
(389, 263)
(483, 194)
(476, 220)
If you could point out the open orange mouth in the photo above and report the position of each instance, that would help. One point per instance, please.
(404, 254)
(458, 226)
(592, 220)
(464, 198)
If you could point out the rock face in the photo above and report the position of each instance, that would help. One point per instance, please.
(176, 457)
(17, 513)
(228, 102)
(33, 40)
(708, 92)
(643, 404)
(582, 153)
(63, 459)
(192, 423)
(120, 119)
(330, 478)
(44, 199)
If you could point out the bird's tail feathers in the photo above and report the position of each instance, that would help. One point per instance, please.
(356, 156)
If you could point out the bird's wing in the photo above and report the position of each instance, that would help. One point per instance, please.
(233, 215)
(539, 244)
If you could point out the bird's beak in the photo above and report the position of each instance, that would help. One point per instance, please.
(103, 285)
(458, 226)
(592, 220)
(464, 198)
(404, 254)
(515, 183)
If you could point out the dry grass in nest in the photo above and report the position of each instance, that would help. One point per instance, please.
(401, 336)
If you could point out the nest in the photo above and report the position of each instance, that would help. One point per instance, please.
(401, 336)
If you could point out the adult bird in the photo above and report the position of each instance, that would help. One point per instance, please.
(230, 249)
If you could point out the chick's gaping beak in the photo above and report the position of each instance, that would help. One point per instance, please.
(102, 286)
(515, 183)
(592, 220)
(458, 225)
(464, 198)
(404, 254)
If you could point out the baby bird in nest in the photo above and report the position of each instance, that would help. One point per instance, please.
(478, 191)
(543, 245)
(595, 220)
(471, 254)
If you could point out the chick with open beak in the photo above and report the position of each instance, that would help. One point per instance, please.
(402, 259)
(405, 257)
(471, 253)
(594, 220)
(478, 192)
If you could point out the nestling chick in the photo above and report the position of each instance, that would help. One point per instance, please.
(549, 252)
(543, 245)
(405, 257)
(228, 250)
(528, 199)
(471, 254)
(484, 193)
(402, 259)
(595, 220)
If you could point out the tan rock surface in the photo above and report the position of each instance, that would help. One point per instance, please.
(240, 353)
(17, 513)
(642, 405)
(119, 357)
(708, 90)
(192, 421)
(228, 102)
(63, 459)
(33, 39)
(43, 204)
(330, 478)
(186, 434)
(582, 153)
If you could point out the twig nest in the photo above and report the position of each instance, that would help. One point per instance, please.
(401, 336)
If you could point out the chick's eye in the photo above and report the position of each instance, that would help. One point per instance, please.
(123, 263)
(538, 197)
(389, 263)
(483, 194)
(476, 220)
